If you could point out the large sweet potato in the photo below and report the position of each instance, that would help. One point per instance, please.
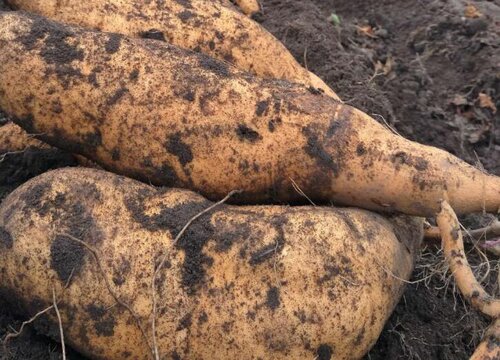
(270, 282)
(172, 117)
(207, 26)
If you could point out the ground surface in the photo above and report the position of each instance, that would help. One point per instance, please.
(430, 70)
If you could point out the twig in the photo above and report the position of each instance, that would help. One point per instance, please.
(94, 253)
(164, 259)
(54, 304)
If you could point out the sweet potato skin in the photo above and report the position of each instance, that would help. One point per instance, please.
(212, 27)
(171, 117)
(244, 282)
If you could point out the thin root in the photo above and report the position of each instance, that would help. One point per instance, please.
(59, 321)
(489, 348)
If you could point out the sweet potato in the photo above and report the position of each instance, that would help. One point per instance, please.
(14, 139)
(206, 26)
(171, 117)
(273, 282)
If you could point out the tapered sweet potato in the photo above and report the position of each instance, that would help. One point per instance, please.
(269, 282)
(14, 139)
(206, 26)
(172, 117)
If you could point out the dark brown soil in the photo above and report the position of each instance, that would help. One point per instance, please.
(427, 70)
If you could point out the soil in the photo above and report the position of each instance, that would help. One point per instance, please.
(428, 69)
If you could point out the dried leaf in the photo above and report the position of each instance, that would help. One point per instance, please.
(367, 30)
(459, 100)
(472, 12)
(486, 102)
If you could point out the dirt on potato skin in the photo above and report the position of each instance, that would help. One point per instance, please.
(437, 62)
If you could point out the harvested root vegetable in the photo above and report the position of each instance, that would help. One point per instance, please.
(241, 282)
(206, 26)
(13, 139)
(167, 116)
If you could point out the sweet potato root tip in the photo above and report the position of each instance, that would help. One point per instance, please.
(248, 7)
(454, 253)
(489, 349)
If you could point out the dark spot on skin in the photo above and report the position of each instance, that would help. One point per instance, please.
(475, 294)
(189, 96)
(334, 128)
(251, 315)
(272, 124)
(120, 275)
(359, 337)
(116, 96)
(273, 298)
(226, 237)
(173, 219)
(314, 148)
(218, 67)
(113, 43)
(261, 107)
(185, 15)
(115, 154)
(324, 352)
(455, 233)
(180, 149)
(104, 323)
(226, 326)
(175, 355)
(421, 164)
(66, 257)
(185, 322)
(211, 45)
(6, 238)
(185, 3)
(167, 176)
(360, 149)
(94, 139)
(153, 34)
(245, 133)
(126, 354)
(203, 318)
(134, 75)
(57, 49)
(93, 79)
(315, 91)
